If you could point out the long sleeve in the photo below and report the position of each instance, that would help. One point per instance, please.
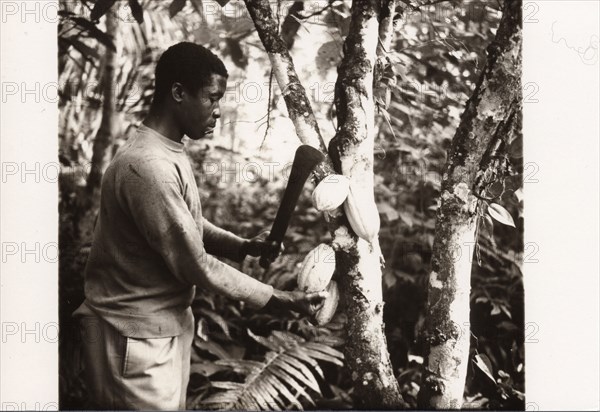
(220, 242)
(152, 192)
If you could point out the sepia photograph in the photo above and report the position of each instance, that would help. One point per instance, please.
(291, 204)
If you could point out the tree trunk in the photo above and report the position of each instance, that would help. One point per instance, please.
(103, 140)
(496, 99)
(358, 262)
(104, 137)
(352, 151)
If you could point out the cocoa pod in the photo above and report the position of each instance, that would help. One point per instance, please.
(331, 192)
(362, 212)
(325, 314)
(317, 269)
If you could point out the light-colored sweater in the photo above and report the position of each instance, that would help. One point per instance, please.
(152, 246)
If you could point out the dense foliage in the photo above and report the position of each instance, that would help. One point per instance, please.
(253, 359)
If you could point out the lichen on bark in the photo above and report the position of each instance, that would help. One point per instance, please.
(351, 153)
(492, 106)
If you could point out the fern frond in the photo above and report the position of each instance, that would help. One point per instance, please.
(290, 364)
(285, 376)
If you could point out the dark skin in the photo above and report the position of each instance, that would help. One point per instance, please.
(195, 115)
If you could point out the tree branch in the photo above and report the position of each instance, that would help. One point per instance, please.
(294, 94)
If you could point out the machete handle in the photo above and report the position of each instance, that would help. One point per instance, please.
(265, 261)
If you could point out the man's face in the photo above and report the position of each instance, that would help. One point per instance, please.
(198, 113)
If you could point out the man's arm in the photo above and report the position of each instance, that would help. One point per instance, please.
(222, 243)
(151, 191)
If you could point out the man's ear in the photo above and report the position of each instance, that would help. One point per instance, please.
(177, 92)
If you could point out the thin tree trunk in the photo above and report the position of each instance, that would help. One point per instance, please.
(358, 262)
(104, 137)
(352, 151)
(103, 141)
(492, 106)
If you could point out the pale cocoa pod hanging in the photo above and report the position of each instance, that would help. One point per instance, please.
(331, 192)
(325, 314)
(317, 269)
(362, 212)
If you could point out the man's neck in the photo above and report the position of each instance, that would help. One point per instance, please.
(163, 123)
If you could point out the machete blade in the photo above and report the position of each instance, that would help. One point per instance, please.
(305, 161)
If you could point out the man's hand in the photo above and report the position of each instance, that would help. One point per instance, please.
(259, 246)
(302, 302)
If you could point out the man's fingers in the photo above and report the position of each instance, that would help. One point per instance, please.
(275, 248)
(317, 297)
(317, 307)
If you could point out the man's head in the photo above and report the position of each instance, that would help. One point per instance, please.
(189, 81)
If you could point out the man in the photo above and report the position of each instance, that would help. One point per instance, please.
(152, 248)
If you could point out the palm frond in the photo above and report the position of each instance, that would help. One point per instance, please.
(280, 382)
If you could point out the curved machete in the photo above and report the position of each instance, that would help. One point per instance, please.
(305, 161)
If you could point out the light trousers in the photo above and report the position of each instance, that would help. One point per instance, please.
(133, 374)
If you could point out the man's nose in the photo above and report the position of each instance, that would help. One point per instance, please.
(217, 112)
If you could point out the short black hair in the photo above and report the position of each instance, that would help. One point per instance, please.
(187, 63)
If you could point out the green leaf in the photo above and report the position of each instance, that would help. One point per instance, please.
(85, 50)
(212, 347)
(288, 336)
(407, 218)
(201, 329)
(266, 342)
(274, 381)
(519, 194)
(488, 226)
(269, 393)
(175, 7)
(137, 11)
(287, 378)
(302, 355)
(221, 397)
(243, 367)
(206, 368)
(333, 353)
(227, 385)
(515, 149)
(495, 310)
(218, 319)
(322, 356)
(500, 214)
(95, 32)
(506, 311)
(293, 365)
(386, 209)
(483, 363)
(197, 4)
(256, 396)
(290, 363)
(328, 55)
(496, 189)
(100, 9)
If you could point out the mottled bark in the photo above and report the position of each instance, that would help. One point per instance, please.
(496, 98)
(351, 153)
(383, 66)
(104, 137)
